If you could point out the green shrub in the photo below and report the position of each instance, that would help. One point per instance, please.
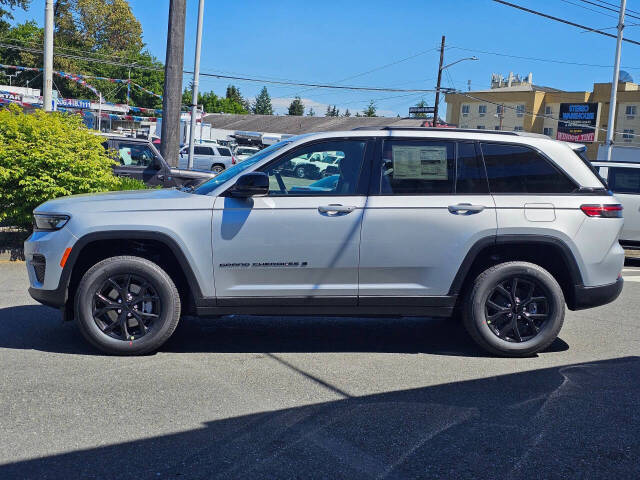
(49, 155)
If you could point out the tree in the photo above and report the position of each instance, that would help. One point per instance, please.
(328, 113)
(262, 103)
(421, 103)
(332, 111)
(233, 93)
(347, 113)
(6, 14)
(296, 107)
(211, 103)
(311, 112)
(370, 111)
(358, 114)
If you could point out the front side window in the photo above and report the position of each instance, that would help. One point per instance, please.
(224, 151)
(327, 168)
(135, 155)
(624, 180)
(520, 169)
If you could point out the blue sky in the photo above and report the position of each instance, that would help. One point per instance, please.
(328, 41)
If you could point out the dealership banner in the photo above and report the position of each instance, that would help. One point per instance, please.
(578, 122)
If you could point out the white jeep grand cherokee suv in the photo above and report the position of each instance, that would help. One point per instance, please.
(505, 228)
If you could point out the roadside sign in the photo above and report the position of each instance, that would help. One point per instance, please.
(577, 122)
(421, 110)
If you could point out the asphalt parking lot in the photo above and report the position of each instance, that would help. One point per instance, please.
(268, 397)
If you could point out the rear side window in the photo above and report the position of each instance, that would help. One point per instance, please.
(202, 151)
(417, 167)
(520, 169)
(624, 180)
(225, 152)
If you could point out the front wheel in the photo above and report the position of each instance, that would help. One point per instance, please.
(300, 172)
(127, 306)
(514, 309)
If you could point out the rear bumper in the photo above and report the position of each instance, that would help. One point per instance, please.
(588, 297)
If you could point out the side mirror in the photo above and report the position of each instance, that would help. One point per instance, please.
(251, 184)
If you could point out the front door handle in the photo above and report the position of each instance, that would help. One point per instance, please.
(465, 209)
(335, 209)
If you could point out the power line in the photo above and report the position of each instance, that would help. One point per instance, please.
(587, 8)
(616, 10)
(614, 5)
(562, 20)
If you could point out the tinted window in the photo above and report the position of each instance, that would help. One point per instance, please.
(327, 168)
(135, 155)
(225, 152)
(624, 180)
(202, 151)
(417, 167)
(519, 169)
(470, 173)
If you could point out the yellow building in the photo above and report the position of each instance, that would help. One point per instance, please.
(517, 104)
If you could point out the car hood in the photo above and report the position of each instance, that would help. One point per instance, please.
(131, 200)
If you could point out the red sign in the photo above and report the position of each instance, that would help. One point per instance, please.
(578, 137)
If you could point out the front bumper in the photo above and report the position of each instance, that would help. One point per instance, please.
(51, 298)
(589, 297)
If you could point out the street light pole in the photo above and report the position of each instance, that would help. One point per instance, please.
(47, 85)
(614, 84)
(194, 91)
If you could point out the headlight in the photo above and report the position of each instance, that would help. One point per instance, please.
(49, 222)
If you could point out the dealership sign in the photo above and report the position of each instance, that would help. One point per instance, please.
(73, 103)
(577, 122)
(10, 96)
(421, 110)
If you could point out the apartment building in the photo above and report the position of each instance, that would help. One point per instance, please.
(517, 104)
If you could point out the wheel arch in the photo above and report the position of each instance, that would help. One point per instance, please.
(549, 252)
(154, 246)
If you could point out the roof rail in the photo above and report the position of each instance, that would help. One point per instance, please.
(437, 129)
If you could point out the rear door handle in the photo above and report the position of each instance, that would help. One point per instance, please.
(335, 209)
(465, 208)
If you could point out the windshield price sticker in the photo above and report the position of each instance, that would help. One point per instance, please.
(422, 163)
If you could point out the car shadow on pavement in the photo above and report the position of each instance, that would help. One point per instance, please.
(41, 328)
(574, 421)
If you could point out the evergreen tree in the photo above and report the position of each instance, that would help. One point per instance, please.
(347, 113)
(328, 113)
(311, 112)
(296, 107)
(370, 111)
(262, 104)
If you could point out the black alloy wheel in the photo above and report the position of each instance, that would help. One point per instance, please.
(517, 309)
(125, 307)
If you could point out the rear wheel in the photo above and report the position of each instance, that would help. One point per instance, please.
(301, 172)
(127, 306)
(514, 309)
(217, 168)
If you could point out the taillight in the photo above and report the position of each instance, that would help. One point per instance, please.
(233, 160)
(602, 211)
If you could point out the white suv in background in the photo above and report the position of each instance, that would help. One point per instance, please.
(623, 179)
(207, 157)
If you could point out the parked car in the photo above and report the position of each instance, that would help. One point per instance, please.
(504, 227)
(624, 180)
(315, 166)
(210, 157)
(242, 153)
(140, 159)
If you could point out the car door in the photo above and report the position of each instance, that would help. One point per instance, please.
(139, 161)
(429, 204)
(625, 184)
(297, 243)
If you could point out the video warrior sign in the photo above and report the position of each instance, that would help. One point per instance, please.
(577, 122)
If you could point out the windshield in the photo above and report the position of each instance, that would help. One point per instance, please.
(229, 173)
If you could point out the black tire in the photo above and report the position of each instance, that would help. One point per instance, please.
(217, 168)
(520, 327)
(104, 325)
(300, 172)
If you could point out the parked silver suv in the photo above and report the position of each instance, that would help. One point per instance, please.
(505, 228)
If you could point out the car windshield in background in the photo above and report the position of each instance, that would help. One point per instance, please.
(218, 180)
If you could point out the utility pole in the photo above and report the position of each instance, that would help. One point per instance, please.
(172, 98)
(435, 108)
(194, 90)
(47, 94)
(614, 84)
